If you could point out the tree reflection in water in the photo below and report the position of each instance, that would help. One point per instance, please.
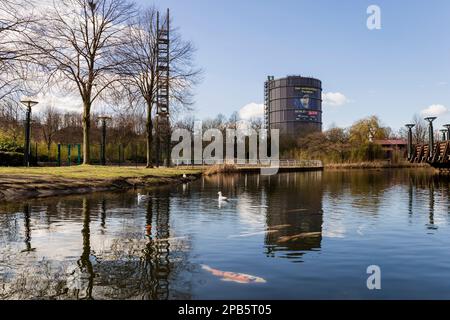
(139, 267)
(26, 219)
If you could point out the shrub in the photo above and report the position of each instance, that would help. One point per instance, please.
(11, 159)
(9, 145)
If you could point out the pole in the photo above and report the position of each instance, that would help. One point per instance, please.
(69, 154)
(27, 136)
(59, 154)
(79, 154)
(158, 142)
(168, 144)
(36, 152)
(103, 142)
(410, 143)
(448, 131)
(430, 135)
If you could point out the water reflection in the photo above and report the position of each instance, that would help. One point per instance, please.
(116, 262)
(26, 218)
(294, 205)
(110, 246)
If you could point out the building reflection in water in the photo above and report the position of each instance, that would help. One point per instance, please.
(294, 210)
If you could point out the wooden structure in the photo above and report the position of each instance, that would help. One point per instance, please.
(437, 157)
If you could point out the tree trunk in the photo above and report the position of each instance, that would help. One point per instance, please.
(149, 126)
(86, 132)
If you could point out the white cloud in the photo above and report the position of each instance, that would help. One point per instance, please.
(434, 110)
(251, 110)
(334, 99)
(64, 103)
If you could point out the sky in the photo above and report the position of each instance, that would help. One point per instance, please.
(395, 72)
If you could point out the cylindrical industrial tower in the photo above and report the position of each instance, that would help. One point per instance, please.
(293, 105)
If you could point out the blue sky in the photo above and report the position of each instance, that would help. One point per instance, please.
(394, 72)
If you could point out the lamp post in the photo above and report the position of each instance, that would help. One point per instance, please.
(430, 134)
(28, 103)
(444, 132)
(103, 120)
(448, 130)
(410, 136)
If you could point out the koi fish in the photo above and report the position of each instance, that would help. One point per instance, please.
(300, 236)
(243, 235)
(233, 277)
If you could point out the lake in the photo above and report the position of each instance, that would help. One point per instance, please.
(309, 235)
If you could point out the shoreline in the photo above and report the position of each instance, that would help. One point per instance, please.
(25, 183)
(375, 165)
(16, 185)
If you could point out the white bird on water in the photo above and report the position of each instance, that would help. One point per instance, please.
(141, 197)
(184, 176)
(222, 198)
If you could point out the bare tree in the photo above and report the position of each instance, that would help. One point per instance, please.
(14, 20)
(139, 76)
(50, 124)
(420, 130)
(76, 40)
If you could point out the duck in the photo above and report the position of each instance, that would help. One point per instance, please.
(141, 197)
(222, 198)
(184, 176)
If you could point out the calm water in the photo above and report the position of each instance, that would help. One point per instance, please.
(110, 246)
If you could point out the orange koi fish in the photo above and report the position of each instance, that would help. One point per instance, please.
(299, 236)
(234, 277)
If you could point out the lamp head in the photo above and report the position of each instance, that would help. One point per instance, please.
(104, 117)
(447, 126)
(28, 102)
(430, 119)
(410, 125)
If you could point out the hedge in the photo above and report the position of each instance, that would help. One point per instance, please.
(11, 159)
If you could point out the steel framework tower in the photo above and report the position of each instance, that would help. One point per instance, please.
(267, 102)
(162, 96)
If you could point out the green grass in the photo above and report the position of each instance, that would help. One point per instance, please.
(98, 172)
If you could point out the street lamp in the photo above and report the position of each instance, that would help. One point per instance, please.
(430, 135)
(29, 103)
(444, 132)
(103, 120)
(448, 130)
(410, 147)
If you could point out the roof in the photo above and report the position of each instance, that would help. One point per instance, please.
(391, 142)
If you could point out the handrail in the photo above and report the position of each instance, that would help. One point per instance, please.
(246, 163)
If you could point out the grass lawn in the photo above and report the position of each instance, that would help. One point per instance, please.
(97, 172)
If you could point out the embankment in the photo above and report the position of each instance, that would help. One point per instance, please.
(375, 165)
(16, 184)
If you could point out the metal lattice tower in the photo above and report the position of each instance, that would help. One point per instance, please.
(162, 96)
(267, 102)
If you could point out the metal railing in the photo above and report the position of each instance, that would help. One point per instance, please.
(284, 163)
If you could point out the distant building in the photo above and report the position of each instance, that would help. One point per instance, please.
(293, 105)
(393, 146)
